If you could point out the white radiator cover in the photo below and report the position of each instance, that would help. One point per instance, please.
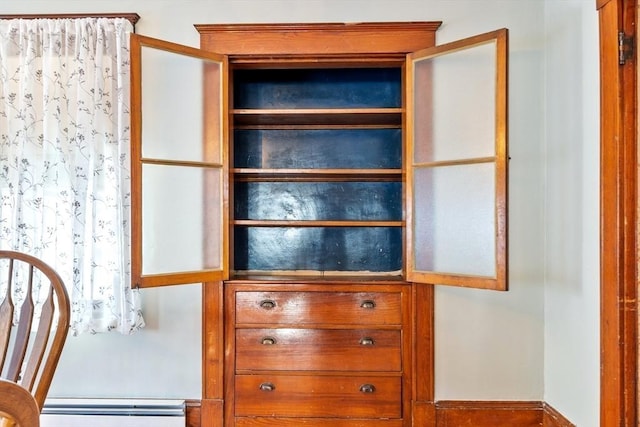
(113, 413)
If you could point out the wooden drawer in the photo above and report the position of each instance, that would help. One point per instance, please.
(318, 349)
(318, 396)
(299, 308)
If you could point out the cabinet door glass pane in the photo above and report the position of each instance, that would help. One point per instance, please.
(458, 96)
(171, 125)
(455, 211)
(175, 235)
(457, 163)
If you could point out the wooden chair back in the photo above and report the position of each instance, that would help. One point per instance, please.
(17, 406)
(32, 334)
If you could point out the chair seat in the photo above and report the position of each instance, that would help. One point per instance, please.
(17, 406)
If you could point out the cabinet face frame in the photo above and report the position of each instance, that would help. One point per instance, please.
(211, 163)
(421, 167)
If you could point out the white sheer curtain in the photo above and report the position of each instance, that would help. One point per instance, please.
(64, 160)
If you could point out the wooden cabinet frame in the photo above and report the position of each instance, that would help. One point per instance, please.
(317, 46)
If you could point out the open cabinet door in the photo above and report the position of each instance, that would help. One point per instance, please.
(179, 164)
(456, 162)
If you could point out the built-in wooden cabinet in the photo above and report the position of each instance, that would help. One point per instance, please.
(320, 179)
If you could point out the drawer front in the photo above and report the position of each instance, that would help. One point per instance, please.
(318, 396)
(318, 349)
(363, 308)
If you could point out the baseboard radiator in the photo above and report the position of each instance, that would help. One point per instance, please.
(113, 413)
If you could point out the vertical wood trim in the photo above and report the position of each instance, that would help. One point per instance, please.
(611, 395)
(135, 73)
(423, 339)
(211, 413)
(230, 350)
(213, 342)
(423, 414)
(408, 337)
(629, 286)
(423, 360)
(618, 221)
(502, 160)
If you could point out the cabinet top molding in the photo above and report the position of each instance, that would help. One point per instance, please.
(342, 26)
(317, 38)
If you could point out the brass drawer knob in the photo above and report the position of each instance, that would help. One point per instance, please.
(368, 304)
(268, 304)
(268, 341)
(367, 388)
(367, 341)
(267, 387)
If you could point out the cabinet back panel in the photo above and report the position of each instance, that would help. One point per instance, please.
(375, 249)
(319, 148)
(318, 88)
(370, 201)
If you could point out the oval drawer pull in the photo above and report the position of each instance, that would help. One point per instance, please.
(268, 304)
(367, 388)
(368, 304)
(268, 341)
(367, 341)
(267, 387)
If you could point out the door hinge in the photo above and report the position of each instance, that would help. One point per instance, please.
(626, 48)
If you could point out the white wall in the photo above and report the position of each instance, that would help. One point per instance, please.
(489, 345)
(572, 210)
(162, 361)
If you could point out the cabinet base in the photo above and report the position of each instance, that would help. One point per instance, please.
(425, 414)
(313, 422)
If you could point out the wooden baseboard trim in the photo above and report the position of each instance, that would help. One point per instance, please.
(488, 414)
(455, 413)
(503, 413)
(194, 409)
(553, 418)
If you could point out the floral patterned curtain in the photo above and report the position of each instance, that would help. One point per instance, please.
(64, 160)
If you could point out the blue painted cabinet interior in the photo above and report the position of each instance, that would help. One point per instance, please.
(318, 88)
(334, 190)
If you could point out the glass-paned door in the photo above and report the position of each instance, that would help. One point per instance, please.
(457, 163)
(179, 163)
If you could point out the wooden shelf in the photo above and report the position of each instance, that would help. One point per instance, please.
(324, 175)
(389, 117)
(315, 223)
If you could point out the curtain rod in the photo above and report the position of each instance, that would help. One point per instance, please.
(133, 17)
